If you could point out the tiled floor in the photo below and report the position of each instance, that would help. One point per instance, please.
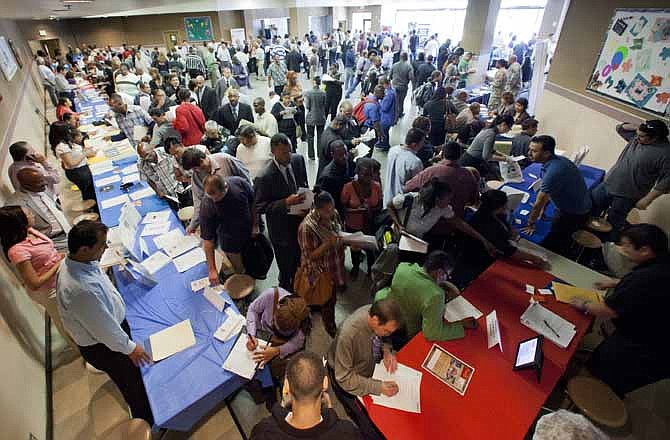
(87, 405)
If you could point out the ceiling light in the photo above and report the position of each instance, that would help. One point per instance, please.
(77, 1)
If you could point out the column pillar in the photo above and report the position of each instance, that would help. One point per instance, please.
(553, 12)
(478, 32)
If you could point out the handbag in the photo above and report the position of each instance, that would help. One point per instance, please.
(257, 257)
(314, 290)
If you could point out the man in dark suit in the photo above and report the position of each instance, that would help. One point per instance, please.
(230, 114)
(205, 97)
(293, 60)
(276, 189)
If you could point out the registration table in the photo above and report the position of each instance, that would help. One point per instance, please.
(592, 177)
(187, 386)
(499, 403)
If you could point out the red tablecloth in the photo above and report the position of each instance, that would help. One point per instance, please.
(499, 403)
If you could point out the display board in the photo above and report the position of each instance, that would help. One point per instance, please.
(198, 28)
(634, 63)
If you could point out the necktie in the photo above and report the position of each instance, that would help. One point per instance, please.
(234, 113)
(376, 349)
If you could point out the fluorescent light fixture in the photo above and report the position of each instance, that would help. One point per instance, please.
(77, 1)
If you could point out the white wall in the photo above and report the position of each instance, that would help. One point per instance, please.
(574, 124)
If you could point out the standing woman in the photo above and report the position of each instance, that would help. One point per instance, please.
(35, 258)
(73, 158)
(322, 255)
(362, 201)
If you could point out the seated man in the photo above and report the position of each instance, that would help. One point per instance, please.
(227, 218)
(420, 292)
(356, 349)
(302, 417)
(521, 141)
(34, 194)
(636, 354)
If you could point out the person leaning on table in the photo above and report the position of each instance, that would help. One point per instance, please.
(94, 314)
(636, 353)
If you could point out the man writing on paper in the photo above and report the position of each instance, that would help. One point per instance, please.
(276, 188)
(420, 292)
(227, 217)
(94, 314)
(302, 416)
(357, 347)
(563, 184)
(636, 354)
(156, 167)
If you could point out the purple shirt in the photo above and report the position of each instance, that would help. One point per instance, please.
(260, 317)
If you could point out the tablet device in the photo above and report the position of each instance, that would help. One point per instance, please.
(528, 354)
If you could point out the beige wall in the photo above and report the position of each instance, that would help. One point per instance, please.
(299, 24)
(30, 30)
(23, 386)
(258, 14)
(375, 10)
(576, 117)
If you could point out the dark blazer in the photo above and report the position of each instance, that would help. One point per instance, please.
(271, 191)
(293, 60)
(224, 116)
(208, 101)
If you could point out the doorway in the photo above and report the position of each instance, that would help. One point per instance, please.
(171, 39)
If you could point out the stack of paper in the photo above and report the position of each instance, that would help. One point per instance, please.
(155, 262)
(240, 361)
(155, 229)
(460, 308)
(172, 340)
(107, 180)
(190, 259)
(118, 200)
(111, 257)
(157, 217)
(411, 243)
(185, 243)
(146, 192)
(101, 168)
(360, 240)
(232, 326)
(548, 324)
(409, 385)
(306, 205)
(565, 293)
(168, 239)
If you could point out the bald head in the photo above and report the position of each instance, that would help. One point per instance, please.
(306, 377)
(346, 110)
(31, 180)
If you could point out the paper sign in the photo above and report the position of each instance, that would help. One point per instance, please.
(155, 262)
(530, 289)
(146, 192)
(118, 200)
(545, 292)
(213, 295)
(107, 180)
(199, 284)
(155, 229)
(493, 330)
(190, 259)
(172, 340)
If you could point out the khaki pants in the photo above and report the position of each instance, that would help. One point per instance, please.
(48, 301)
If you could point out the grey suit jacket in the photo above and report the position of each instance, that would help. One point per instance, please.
(221, 88)
(315, 103)
(42, 224)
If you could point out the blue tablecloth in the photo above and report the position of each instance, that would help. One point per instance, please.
(185, 387)
(97, 106)
(592, 176)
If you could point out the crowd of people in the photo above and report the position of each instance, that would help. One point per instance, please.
(236, 162)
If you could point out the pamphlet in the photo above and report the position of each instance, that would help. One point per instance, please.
(452, 371)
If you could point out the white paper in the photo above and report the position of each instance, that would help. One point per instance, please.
(545, 292)
(155, 262)
(168, 239)
(549, 324)
(199, 284)
(185, 243)
(409, 386)
(190, 259)
(139, 131)
(171, 340)
(306, 205)
(130, 169)
(155, 229)
(536, 185)
(518, 158)
(156, 217)
(460, 308)
(101, 168)
(213, 295)
(144, 249)
(130, 218)
(368, 136)
(515, 197)
(411, 243)
(130, 178)
(107, 180)
(524, 212)
(146, 192)
(530, 289)
(493, 330)
(111, 257)
(240, 361)
(118, 200)
(232, 326)
(360, 240)
(361, 150)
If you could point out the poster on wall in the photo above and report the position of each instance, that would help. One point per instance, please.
(8, 63)
(198, 28)
(237, 35)
(634, 62)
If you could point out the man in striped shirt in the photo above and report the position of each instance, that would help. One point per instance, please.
(194, 64)
(278, 50)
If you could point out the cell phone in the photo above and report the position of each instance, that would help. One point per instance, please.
(126, 186)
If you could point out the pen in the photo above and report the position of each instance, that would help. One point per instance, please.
(551, 328)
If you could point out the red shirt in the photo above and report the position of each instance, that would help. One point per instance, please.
(61, 110)
(190, 122)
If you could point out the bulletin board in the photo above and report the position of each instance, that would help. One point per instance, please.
(634, 63)
(198, 28)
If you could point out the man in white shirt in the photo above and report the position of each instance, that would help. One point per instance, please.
(403, 164)
(254, 150)
(431, 47)
(263, 120)
(48, 80)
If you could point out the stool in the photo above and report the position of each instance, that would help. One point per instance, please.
(92, 216)
(133, 429)
(84, 205)
(585, 240)
(185, 215)
(239, 286)
(597, 401)
(494, 184)
(599, 225)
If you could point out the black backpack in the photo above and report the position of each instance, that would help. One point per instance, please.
(257, 257)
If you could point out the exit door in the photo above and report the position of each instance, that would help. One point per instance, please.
(171, 39)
